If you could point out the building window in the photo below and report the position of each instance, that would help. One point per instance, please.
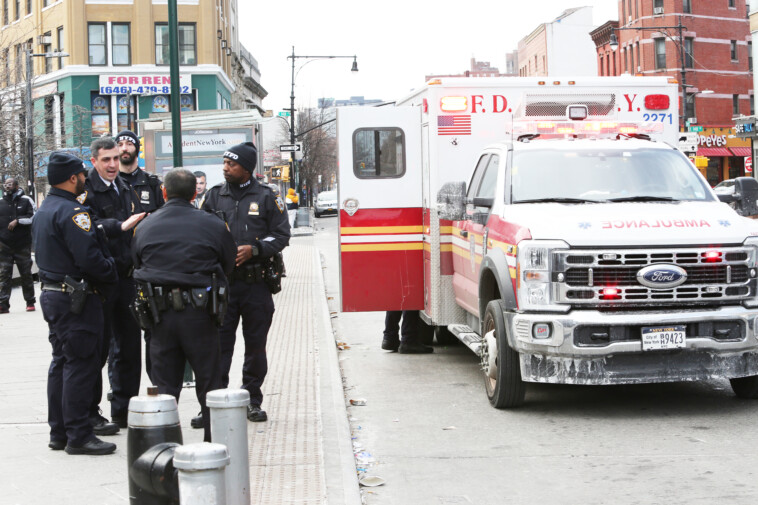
(631, 60)
(736, 105)
(687, 6)
(689, 60)
(121, 44)
(660, 54)
(731, 4)
(750, 56)
(97, 44)
(17, 14)
(187, 44)
(101, 114)
(657, 6)
(7, 66)
(626, 61)
(689, 106)
(733, 46)
(47, 2)
(127, 117)
(61, 45)
(46, 48)
(19, 63)
(639, 57)
(5, 11)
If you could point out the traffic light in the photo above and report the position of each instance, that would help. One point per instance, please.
(701, 161)
(285, 173)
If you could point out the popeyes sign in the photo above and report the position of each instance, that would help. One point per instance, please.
(712, 140)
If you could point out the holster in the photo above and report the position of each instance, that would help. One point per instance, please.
(141, 312)
(79, 292)
(272, 273)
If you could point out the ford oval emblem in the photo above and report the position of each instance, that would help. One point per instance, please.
(662, 276)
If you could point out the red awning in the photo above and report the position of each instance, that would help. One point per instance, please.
(741, 151)
(713, 151)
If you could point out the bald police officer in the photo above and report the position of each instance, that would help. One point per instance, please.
(260, 228)
(184, 274)
(72, 263)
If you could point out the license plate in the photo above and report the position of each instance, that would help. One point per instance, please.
(655, 338)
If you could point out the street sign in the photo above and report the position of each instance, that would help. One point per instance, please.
(284, 113)
(688, 142)
(696, 128)
(748, 164)
(289, 148)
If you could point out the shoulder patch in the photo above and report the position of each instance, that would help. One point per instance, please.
(280, 204)
(81, 198)
(83, 221)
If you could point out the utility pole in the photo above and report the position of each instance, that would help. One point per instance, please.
(684, 74)
(176, 117)
(29, 126)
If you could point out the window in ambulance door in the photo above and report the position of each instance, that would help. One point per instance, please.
(378, 153)
(487, 185)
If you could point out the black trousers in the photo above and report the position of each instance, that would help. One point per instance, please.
(253, 304)
(22, 257)
(125, 367)
(189, 335)
(409, 329)
(75, 340)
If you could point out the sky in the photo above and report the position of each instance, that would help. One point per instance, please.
(397, 42)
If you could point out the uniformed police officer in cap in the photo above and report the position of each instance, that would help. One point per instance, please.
(260, 228)
(183, 287)
(113, 203)
(146, 186)
(73, 263)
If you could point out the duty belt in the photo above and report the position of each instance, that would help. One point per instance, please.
(61, 288)
(249, 274)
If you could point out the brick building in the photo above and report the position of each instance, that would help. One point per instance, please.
(717, 61)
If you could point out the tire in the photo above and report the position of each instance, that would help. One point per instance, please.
(444, 337)
(745, 387)
(316, 214)
(425, 332)
(505, 389)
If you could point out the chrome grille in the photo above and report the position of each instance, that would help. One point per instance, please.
(609, 277)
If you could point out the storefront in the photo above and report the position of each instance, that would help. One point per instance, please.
(726, 154)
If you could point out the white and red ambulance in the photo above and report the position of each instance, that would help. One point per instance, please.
(553, 227)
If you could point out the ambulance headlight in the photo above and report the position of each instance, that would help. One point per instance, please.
(534, 286)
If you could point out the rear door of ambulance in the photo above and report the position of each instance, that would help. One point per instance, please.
(381, 215)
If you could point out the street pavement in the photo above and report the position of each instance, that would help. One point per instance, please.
(302, 455)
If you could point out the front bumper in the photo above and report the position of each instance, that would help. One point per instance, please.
(721, 343)
(326, 210)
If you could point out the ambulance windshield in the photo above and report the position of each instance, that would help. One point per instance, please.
(579, 176)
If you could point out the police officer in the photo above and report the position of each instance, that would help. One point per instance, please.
(187, 281)
(260, 228)
(68, 252)
(112, 203)
(146, 186)
(148, 189)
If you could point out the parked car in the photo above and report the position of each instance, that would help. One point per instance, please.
(724, 187)
(326, 203)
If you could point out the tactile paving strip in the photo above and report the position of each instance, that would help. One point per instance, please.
(286, 452)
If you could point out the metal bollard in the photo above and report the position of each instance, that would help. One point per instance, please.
(229, 427)
(201, 473)
(154, 433)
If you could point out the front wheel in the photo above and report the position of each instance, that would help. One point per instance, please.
(500, 363)
(745, 387)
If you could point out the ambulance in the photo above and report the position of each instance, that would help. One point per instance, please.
(553, 227)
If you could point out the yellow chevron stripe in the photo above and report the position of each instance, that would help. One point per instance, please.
(380, 230)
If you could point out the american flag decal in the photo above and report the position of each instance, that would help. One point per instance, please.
(454, 125)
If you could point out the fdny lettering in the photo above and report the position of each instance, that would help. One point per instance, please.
(630, 101)
(658, 223)
(499, 104)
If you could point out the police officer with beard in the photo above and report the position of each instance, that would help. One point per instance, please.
(146, 186)
(188, 295)
(116, 208)
(73, 263)
(259, 225)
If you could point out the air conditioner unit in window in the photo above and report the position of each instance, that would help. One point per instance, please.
(44, 40)
(657, 10)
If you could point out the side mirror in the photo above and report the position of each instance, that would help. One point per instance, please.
(479, 201)
(451, 201)
(745, 196)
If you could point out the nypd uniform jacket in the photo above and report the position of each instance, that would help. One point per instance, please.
(66, 242)
(147, 187)
(110, 209)
(257, 219)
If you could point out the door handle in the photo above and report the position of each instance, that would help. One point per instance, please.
(464, 233)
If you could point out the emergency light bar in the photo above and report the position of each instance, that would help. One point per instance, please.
(585, 128)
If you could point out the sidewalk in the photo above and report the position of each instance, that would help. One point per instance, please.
(302, 455)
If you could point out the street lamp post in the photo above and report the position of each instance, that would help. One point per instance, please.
(295, 175)
(29, 111)
(680, 46)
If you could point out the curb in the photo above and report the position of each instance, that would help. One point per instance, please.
(340, 474)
